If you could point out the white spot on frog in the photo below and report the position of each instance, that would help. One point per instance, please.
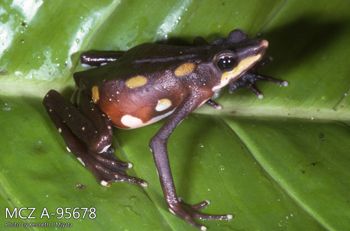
(131, 121)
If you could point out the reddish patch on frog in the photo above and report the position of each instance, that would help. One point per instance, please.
(131, 108)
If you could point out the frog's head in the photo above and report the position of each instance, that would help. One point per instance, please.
(237, 58)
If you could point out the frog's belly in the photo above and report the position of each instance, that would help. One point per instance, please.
(137, 110)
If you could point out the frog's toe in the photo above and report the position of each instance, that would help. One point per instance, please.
(108, 169)
(213, 104)
(201, 205)
(204, 216)
(249, 80)
(107, 176)
(258, 77)
(256, 91)
(130, 179)
(111, 162)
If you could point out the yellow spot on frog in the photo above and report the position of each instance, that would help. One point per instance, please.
(163, 104)
(136, 81)
(184, 69)
(95, 94)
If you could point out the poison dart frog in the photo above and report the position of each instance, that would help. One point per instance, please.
(140, 86)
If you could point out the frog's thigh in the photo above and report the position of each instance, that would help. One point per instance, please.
(53, 102)
(88, 125)
(102, 133)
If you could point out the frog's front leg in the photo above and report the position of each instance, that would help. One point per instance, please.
(87, 133)
(158, 146)
(200, 41)
(99, 58)
(249, 80)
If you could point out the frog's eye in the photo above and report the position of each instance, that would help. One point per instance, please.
(227, 63)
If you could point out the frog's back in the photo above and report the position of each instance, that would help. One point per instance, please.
(148, 58)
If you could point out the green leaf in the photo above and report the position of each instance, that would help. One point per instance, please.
(280, 163)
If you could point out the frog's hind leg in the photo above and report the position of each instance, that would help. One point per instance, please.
(99, 58)
(249, 80)
(88, 136)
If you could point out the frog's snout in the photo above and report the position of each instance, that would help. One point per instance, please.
(264, 43)
(262, 47)
(258, 47)
(252, 48)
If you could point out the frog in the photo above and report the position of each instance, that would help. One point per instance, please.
(143, 85)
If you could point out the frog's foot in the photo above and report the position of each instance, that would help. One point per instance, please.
(107, 169)
(191, 212)
(249, 80)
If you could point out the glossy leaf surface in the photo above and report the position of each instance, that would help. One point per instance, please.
(280, 163)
